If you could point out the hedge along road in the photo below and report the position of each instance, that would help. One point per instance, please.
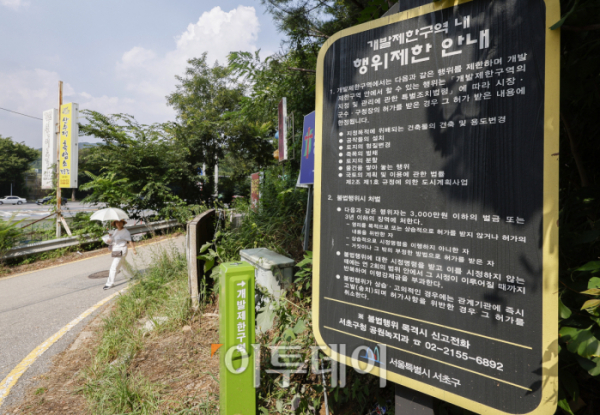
(37, 305)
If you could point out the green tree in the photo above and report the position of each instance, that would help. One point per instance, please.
(16, 161)
(308, 23)
(86, 164)
(207, 100)
(108, 190)
(270, 80)
(579, 358)
(143, 160)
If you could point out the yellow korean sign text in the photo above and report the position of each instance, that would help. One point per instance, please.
(68, 145)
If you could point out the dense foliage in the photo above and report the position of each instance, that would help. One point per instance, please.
(16, 160)
(207, 100)
(579, 359)
(151, 167)
(276, 225)
(9, 232)
(140, 166)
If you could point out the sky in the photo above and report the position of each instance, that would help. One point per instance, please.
(114, 56)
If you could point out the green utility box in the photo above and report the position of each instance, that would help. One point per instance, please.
(236, 309)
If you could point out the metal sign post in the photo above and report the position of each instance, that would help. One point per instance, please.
(283, 133)
(307, 171)
(308, 219)
(58, 190)
(411, 402)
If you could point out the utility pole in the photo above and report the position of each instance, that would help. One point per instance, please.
(217, 179)
(58, 192)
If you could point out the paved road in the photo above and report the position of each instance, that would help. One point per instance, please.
(35, 306)
(33, 211)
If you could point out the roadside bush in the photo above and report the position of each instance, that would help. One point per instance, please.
(9, 234)
(292, 316)
(181, 212)
(276, 224)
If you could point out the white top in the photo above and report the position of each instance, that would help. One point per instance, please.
(120, 237)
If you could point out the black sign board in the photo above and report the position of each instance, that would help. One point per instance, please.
(436, 201)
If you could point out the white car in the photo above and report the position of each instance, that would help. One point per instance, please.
(15, 200)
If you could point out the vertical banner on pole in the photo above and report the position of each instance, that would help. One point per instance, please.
(307, 160)
(236, 308)
(68, 142)
(283, 130)
(49, 138)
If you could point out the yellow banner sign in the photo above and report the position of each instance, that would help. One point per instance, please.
(68, 144)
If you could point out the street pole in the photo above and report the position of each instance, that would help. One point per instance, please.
(410, 401)
(217, 180)
(58, 192)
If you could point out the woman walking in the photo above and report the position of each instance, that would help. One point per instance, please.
(119, 240)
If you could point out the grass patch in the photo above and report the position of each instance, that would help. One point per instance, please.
(170, 371)
(112, 383)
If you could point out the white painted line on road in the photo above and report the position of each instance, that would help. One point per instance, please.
(11, 380)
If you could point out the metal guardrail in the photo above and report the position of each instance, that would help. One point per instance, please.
(53, 244)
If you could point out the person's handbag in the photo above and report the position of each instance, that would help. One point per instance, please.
(107, 239)
(116, 254)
